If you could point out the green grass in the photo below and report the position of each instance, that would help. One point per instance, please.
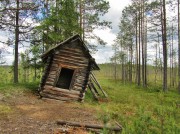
(11, 89)
(139, 110)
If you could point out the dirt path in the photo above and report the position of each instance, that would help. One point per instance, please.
(27, 114)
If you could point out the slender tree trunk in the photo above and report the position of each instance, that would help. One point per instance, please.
(145, 57)
(80, 16)
(172, 56)
(139, 66)
(178, 50)
(164, 46)
(131, 60)
(156, 66)
(122, 63)
(170, 63)
(16, 44)
(142, 40)
(115, 65)
(137, 60)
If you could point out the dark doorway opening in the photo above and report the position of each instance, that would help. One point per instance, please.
(65, 77)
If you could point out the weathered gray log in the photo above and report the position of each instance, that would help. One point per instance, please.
(49, 83)
(95, 80)
(58, 97)
(50, 79)
(93, 86)
(53, 72)
(92, 91)
(53, 92)
(62, 90)
(74, 50)
(71, 52)
(76, 88)
(73, 56)
(71, 59)
(94, 126)
(70, 62)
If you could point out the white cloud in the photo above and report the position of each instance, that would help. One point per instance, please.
(103, 54)
(108, 35)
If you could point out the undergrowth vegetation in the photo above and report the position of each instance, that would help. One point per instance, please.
(139, 110)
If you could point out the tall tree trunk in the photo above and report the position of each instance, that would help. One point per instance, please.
(164, 40)
(139, 66)
(16, 44)
(156, 65)
(170, 63)
(137, 60)
(145, 56)
(178, 50)
(80, 16)
(172, 56)
(131, 60)
(115, 65)
(142, 40)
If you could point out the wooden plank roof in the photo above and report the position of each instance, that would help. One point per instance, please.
(71, 39)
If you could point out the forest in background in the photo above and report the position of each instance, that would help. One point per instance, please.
(135, 87)
(148, 33)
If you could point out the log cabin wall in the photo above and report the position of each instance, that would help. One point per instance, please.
(70, 56)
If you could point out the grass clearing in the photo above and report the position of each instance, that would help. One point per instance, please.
(138, 110)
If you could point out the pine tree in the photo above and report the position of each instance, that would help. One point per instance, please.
(13, 15)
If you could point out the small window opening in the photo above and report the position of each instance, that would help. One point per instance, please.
(65, 78)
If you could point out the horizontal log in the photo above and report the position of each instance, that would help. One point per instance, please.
(76, 63)
(76, 91)
(62, 94)
(94, 126)
(64, 52)
(52, 72)
(72, 59)
(78, 76)
(76, 88)
(49, 83)
(52, 76)
(50, 79)
(54, 65)
(81, 85)
(73, 56)
(81, 74)
(70, 62)
(58, 97)
(71, 52)
(79, 81)
(70, 66)
(62, 90)
(54, 68)
(78, 50)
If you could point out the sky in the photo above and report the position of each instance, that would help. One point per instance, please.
(108, 35)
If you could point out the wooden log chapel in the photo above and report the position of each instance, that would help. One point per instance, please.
(69, 67)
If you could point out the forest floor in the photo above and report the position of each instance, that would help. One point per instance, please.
(23, 112)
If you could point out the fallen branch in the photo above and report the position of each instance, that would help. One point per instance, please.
(93, 126)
